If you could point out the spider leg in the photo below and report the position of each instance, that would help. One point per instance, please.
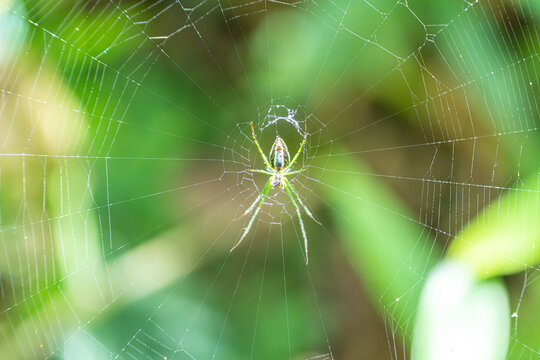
(259, 147)
(287, 188)
(250, 208)
(300, 148)
(293, 190)
(297, 171)
(261, 171)
(262, 197)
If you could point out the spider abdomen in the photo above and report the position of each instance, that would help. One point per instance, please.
(279, 155)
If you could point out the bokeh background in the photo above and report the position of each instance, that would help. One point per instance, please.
(125, 141)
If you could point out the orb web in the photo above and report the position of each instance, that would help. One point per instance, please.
(125, 145)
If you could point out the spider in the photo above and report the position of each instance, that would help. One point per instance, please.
(278, 167)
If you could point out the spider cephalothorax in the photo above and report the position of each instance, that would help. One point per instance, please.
(278, 168)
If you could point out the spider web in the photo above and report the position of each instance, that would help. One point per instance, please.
(125, 141)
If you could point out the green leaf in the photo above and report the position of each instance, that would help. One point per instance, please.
(460, 317)
(503, 239)
(390, 250)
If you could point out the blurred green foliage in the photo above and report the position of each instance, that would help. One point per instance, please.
(423, 153)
